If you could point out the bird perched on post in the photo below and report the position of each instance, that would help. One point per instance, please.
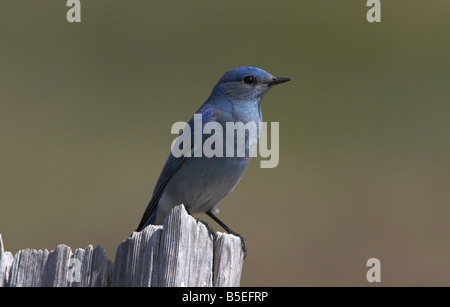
(200, 183)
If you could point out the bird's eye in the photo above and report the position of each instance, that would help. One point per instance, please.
(249, 79)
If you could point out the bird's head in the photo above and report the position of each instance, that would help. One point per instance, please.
(247, 83)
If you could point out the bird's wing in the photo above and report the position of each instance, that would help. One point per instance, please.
(172, 165)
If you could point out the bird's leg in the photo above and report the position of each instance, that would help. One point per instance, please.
(229, 230)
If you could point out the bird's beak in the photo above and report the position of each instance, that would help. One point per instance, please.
(278, 80)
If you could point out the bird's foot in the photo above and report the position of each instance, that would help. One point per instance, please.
(210, 229)
(243, 242)
(230, 231)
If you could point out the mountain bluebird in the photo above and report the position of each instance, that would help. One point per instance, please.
(200, 183)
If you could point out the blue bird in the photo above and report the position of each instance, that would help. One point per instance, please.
(200, 183)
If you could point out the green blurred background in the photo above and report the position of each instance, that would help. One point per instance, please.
(86, 111)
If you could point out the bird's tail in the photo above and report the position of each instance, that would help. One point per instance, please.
(148, 218)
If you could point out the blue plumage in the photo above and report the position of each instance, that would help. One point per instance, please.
(200, 183)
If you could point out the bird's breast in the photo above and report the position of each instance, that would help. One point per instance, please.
(201, 183)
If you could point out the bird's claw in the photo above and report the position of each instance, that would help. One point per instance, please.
(214, 236)
(210, 229)
(243, 242)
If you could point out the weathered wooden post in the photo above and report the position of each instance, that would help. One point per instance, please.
(179, 253)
